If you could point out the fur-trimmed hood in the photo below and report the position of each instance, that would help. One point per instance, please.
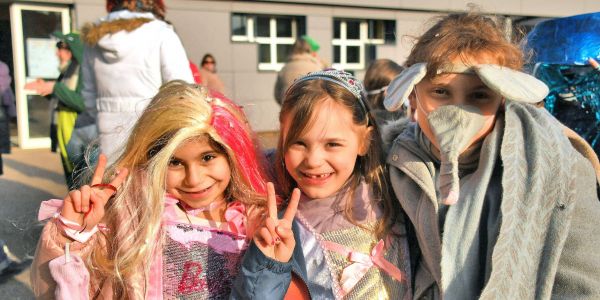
(91, 34)
(113, 33)
(392, 129)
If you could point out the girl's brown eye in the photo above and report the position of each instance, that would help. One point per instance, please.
(174, 163)
(208, 157)
(440, 92)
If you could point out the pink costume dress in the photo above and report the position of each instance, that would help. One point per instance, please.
(199, 258)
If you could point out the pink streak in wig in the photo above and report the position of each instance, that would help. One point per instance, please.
(234, 134)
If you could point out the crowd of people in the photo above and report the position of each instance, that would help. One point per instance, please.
(442, 177)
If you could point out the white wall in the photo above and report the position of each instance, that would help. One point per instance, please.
(204, 26)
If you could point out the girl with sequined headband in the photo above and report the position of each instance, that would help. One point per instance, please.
(176, 224)
(347, 239)
(501, 204)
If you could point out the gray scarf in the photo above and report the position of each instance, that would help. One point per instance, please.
(465, 263)
(539, 170)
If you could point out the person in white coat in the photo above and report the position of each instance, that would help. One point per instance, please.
(129, 54)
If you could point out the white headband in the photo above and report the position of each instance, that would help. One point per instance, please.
(509, 83)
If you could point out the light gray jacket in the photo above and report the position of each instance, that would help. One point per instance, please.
(549, 237)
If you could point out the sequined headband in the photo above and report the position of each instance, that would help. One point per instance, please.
(344, 79)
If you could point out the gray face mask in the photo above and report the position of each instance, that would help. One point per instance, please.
(453, 126)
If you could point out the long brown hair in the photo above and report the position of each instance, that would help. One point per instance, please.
(300, 105)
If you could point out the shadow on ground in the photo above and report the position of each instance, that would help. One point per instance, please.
(30, 177)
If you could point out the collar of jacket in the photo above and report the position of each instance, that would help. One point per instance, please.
(92, 33)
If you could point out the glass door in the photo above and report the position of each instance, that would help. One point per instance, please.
(34, 56)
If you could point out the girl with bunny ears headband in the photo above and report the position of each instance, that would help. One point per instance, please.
(488, 180)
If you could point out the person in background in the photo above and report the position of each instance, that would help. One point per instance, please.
(378, 76)
(302, 60)
(10, 265)
(208, 74)
(129, 54)
(7, 111)
(66, 101)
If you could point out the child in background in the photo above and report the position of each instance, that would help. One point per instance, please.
(177, 225)
(348, 239)
(377, 78)
(502, 205)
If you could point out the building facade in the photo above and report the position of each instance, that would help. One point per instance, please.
(250, 40)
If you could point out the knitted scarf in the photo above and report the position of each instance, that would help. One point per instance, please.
(540, 169)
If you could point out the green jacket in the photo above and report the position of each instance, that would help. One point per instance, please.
(70, 98)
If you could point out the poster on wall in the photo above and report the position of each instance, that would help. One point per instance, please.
(41, 58)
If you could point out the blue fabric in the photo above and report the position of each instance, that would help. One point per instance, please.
(570, 40)
(261, 277)
(574, 98)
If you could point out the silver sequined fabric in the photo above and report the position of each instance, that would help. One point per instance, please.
(376, 284)
(197, 271)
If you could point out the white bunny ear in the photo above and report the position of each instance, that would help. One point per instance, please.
(512, 84)
(401, 86)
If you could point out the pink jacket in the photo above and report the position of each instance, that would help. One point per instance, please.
(60, 274)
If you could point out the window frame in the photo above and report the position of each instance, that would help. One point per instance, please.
(362, 42)
(272, 40)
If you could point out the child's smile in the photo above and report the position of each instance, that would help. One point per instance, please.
(198, 175)
(317, 179)
(197, 193)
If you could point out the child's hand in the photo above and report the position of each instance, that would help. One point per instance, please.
(86, 205)
(274, 237)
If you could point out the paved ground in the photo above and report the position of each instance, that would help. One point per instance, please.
(30, 176)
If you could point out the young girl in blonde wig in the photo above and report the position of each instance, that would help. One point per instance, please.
(172, 222)
(502, 205)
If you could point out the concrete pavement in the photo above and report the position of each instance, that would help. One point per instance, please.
(30, 176)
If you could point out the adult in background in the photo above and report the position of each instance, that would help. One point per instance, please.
(379, 74)
(302, 60)
(65, 98)
(208, 74)
(7, 110)
(129, 54)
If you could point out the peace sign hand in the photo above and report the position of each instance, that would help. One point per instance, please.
(274, 237)
(86, 205)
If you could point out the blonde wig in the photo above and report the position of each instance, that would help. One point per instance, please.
(180, 112)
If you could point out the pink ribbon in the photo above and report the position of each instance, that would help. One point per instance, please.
(362, 263)
(49, 209)
(235, 214)
(170, 214)
(52, 208)
(236, 217)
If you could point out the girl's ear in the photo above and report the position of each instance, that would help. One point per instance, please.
(365, 142)
(412, 100)
(411, 113)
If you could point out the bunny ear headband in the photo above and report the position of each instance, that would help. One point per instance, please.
(511, 84)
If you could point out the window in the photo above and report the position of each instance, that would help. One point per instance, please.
(274, 35)
(354, 41)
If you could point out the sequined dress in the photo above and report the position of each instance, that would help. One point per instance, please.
(348, 272)
(200, 260)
